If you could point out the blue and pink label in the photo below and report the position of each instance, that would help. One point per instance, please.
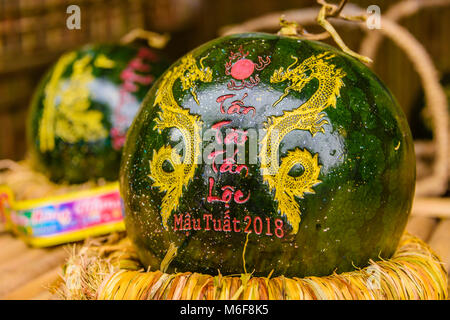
(72, 217)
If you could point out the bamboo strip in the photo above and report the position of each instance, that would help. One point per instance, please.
(31, 265)
(45, 295)
(440, 242)
(421, 227)
(5, 240)
(431, 207)
(20, 260)
(11, 248)
(35, 287)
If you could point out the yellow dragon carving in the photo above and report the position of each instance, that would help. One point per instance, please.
(173, 115)
(308, 116)
(70, 119)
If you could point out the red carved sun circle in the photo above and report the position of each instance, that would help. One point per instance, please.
(242, 69)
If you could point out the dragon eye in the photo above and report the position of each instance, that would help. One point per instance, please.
(167, 166)
(296, 171)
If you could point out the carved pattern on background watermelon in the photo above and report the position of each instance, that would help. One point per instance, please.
(71, 120)
(241, 68)
(309, 117)
(131, 79)
(172, 115)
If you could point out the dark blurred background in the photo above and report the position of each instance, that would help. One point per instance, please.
(33, 34)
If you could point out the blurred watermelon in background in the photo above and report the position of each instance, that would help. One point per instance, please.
(83, 108)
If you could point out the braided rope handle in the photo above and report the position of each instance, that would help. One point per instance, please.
(436, 184)
(154, 40)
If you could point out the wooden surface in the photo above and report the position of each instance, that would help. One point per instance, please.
(27, 273)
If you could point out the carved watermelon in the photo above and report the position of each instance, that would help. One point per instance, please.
(83, 108)
(287, 152)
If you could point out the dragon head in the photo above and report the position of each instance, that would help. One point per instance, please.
(193, 73)
(315, 66)
(299, 76)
